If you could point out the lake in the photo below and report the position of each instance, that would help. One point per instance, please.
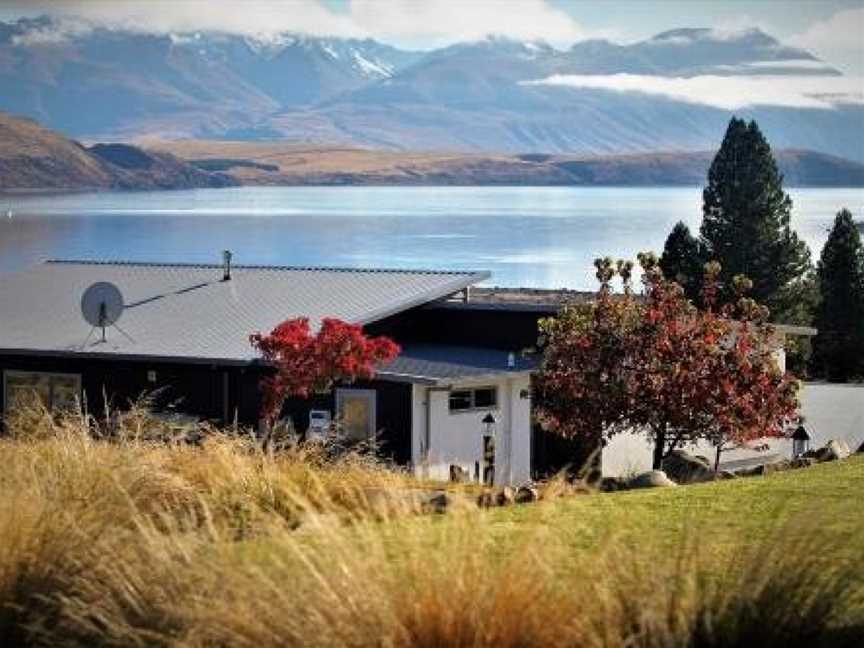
(526, 236)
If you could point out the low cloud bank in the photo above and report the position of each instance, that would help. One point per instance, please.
(727, 92)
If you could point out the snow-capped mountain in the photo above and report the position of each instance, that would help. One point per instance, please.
(673, 91)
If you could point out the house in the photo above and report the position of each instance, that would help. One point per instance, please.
(184, 331)
(183, 337)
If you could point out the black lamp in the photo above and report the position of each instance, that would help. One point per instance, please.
(489, 425)
(800, 441)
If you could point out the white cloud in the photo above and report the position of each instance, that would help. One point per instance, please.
(442, 22)
(809, 64)
(839, 39)
(728, 92)
(427, 23)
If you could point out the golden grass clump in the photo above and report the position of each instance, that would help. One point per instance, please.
(135, 541)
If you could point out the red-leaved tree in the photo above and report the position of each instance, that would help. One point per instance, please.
(656, 364)
(304, 362)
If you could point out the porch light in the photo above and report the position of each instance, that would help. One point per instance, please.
(489, 425)
(800, 441)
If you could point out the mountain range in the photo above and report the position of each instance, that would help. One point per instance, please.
(597, 97)
(36, 158)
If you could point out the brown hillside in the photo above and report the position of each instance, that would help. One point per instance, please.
(35, 158)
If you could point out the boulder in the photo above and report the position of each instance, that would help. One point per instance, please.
(861, 448)
(802, 462)
(778, 466)
(726, 474)
(755, 471)
(684, 468)
(525, 494)
(505, 496)
(612, 484)
(834, 450)
(438, 502)
(486, 500)
(651, 479)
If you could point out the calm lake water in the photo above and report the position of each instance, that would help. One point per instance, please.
(529, 236)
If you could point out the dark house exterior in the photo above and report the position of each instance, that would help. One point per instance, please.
(184, 334)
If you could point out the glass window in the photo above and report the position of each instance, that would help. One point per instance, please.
(484, 397)
(460, 400)
(471, 399)
(54, 391)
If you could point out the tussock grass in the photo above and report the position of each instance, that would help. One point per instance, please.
(139, 542)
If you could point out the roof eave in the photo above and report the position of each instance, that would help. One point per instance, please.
(449, 288)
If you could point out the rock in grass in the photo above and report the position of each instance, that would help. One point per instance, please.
(525, 494)
(612, 484)
(683, 468)
(778, 466)
(755, 471)
(486, 499)
(726, 474)
(651, 479)
(438, 502)
(834, 450)
(802, 462)
(505, 496)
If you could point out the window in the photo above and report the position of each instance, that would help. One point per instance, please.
(463, 400)
(54, 391)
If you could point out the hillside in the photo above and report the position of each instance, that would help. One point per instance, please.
(279, 163)
(34, 157)
(675, 91)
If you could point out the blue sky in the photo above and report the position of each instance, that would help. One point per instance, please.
(833, 29)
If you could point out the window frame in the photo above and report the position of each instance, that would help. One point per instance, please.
(473, 407)
(12, 373)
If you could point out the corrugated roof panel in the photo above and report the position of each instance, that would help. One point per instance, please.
(187, 311)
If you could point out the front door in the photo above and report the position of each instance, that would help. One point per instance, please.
(356, 411)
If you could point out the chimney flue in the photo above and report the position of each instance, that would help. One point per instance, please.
(226, 265)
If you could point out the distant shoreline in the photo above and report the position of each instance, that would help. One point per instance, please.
(57, 191)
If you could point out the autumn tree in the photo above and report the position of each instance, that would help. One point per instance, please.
(303, 362)
(659, 366)
(839, 345)
(583, 389)
(746, 219)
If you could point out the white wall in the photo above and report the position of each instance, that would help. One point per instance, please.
(457, 438)
(830, 411)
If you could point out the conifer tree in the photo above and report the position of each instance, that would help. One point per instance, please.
(838, 352)
(746, 218)
(683, 261)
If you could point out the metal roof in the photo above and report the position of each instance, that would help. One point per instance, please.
(186, 310)
(440, 364)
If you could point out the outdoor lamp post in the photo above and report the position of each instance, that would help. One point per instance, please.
(488, 449)
(800, 441)
(489, 425)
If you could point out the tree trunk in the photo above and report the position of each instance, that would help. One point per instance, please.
(717, 458)
(659, 446)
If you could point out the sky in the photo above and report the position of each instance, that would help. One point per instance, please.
(831, 29)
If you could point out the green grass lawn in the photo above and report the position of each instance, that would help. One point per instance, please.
(751, 510)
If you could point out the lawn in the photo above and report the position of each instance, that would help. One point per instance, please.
(135, 541)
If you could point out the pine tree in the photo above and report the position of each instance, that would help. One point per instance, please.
(746, 218)
(683, 261)
(838, 352)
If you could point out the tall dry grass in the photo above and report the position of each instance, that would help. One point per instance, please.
(138, 542)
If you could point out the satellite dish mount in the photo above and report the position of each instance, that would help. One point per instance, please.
(101, 307)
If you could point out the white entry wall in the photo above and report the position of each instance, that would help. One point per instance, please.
(442, 438)
(831, 411)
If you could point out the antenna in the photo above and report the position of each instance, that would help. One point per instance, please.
(102, 305)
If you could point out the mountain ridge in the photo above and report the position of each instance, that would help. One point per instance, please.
(490, 94)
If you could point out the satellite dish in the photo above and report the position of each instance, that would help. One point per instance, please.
(102, 305)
